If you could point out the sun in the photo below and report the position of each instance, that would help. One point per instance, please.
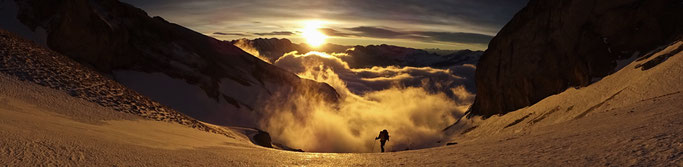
(312, 34)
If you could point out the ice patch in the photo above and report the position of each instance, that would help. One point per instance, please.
(9, 21)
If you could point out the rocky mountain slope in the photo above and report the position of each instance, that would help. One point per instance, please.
(213, 81)
(26, 61)
(550, 46)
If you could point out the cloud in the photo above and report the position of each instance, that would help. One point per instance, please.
(413, 103)
(283, 33)
(413, 118)
(377, 32)
(333, 32)
(456, 37)
(362, 80)
(226, 33)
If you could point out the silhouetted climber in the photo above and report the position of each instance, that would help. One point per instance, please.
(384, 137)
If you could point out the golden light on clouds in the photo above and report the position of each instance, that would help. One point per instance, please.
(312, 34)
(413, 114)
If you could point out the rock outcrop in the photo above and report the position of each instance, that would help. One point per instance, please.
(148, 53)
(262, 138)
(550, 46)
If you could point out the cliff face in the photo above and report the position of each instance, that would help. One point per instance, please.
(550, 46)
(205, 78)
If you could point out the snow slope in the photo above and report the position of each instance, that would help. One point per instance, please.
(40, 127)
(50, 127)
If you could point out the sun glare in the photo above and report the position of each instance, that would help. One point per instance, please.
(312, 34)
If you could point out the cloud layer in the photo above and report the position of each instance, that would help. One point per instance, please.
(319, 66)
(381, 32)
(413, 104)
(285, 33)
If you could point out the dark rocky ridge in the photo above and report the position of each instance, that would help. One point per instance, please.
(550, 46)
(109, 36)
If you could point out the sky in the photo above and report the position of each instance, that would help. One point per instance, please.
(443, 24)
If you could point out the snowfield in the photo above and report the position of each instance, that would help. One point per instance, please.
(41, 126)
(633, 117)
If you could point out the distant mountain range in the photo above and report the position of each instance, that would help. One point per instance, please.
(365, 60)
(362, 56)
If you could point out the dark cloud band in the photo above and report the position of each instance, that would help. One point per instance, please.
(227, 33)
(380, 32)
(282, 33)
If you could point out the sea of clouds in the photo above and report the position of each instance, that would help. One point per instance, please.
(413, 103)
